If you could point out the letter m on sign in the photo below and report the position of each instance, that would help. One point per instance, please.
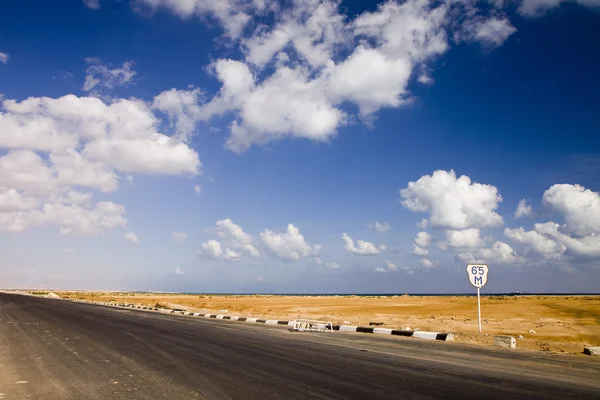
(478, 280)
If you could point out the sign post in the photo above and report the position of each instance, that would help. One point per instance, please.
(477, 274)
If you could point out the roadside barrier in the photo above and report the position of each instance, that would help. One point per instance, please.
(309, 325)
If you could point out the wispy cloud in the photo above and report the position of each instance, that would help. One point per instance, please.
(131, 237)
(101, 77)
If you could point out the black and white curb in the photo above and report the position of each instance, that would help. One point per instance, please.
(396, 332)
(342, 328)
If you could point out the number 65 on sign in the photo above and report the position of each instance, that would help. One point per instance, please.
(477, 274)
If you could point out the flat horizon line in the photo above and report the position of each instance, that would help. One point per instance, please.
(515, 293)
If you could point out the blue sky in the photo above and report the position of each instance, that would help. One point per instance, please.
(299, 146)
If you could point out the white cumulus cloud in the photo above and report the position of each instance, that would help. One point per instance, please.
(211, 249)
(237, 243)
(500, 253)
(301, 95)
(305, 59)
(289, 245)
(390, 265)
(288, 103)
(423, 239)
(12, 200)
(56, 147)
(71, 218)
(523, 209)
(579, 206)
(361, 247)
(312, 28)
(4, 58)
(240, 240)
(453, 203)
(466, 238)
(230, 255)
(183, 109)
(536, 241)
(121, 134)
(420, 251)
(25, 170)
(586, 246)
(380, 227)
(577, 238)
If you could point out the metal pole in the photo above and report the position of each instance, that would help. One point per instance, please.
(479, 309)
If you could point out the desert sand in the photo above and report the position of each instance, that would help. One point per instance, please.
(546, 323)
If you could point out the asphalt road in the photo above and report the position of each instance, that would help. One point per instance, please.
(52, 349)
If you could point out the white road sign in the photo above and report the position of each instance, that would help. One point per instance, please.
(477, 274)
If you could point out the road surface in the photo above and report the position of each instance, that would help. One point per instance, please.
(51, 349)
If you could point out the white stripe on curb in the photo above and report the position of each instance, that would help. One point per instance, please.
(345, 328)
(425, 335)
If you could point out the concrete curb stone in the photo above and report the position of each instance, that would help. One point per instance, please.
(592, 350)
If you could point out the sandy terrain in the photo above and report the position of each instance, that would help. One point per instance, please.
(561, 323)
